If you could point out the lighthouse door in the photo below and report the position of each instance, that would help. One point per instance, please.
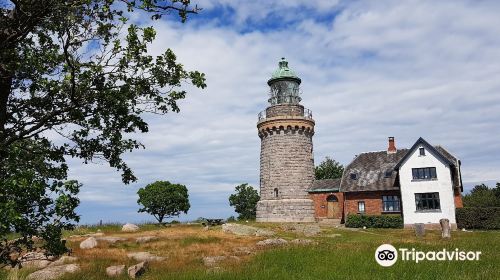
(333, 206)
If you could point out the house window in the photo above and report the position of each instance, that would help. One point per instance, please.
(422, 151)
(390, 203)
(388, 173)
(361, 206)
(427, 201)
(276, 192)
(354, 176)
(426, 173)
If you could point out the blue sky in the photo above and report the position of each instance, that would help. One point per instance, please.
(369, 69)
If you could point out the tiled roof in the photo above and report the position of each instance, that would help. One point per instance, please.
(325, 185)
(370, 169)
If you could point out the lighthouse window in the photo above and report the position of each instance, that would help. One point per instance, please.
(276, 192)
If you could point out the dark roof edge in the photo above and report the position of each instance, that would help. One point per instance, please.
(429, 147)
(323, 190)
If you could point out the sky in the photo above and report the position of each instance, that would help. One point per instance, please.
(369, 70)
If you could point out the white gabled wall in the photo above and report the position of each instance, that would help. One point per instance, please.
(443, 185)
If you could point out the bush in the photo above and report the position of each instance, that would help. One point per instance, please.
(371, 221)
(478, 218)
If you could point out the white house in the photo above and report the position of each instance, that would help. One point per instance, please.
(430, 185)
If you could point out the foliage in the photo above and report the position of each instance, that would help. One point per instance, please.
(478, 218)
(244, 201)
(163, 200)
(328, 169)
(231, 219)
(78, 70)
(374, 221)
(483, 196)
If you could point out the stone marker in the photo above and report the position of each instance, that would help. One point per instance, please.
(137, 270)
(88, 243)
(53, 272)
(115, 270)
(445, 228)
(130, 227)
(419, 230)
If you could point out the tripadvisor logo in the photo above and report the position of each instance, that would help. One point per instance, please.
(387, 255)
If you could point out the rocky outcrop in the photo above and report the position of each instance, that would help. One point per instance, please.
(53, 272)
(272, 242)
(36, 260)
(305, 229)
(64, 260)
(88, 243)
(246, 230)
(137, 270)
(303, 241)
(144, 239)
(144, 257)
(111, 239)
(130, 227)
(115, 270)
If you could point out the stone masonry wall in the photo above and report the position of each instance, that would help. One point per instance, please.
(286, 163)
(284, 110)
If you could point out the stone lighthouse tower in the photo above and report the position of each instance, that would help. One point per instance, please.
(286, 129)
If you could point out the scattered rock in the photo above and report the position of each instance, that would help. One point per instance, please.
(88, 243)
(272, 242)
(305, 229)
(302, 241)
(36, 260)
(111, 239)
(130, 227)
(137, 270)
(64, 260)
(115, 270)
(211, 261)
(333, 235)
(144, 239)
(144, 256)
(94, 234)
(242, 251)
(53, 272)
(214, 269)
(246, 230)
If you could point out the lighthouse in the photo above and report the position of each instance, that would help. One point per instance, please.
(286, 129)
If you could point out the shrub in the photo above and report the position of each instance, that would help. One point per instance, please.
(372, 221)
(478, 218)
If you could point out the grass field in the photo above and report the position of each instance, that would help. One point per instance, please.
(348, 256)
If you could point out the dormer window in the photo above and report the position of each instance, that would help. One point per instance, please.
(422, 151)
(354, 176)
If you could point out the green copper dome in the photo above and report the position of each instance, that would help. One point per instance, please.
(283, 72)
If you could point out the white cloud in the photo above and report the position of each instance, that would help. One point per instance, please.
(379, 68)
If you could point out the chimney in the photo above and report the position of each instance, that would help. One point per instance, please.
(392, 146)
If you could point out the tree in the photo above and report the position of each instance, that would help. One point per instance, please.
(483, 196)
(164, 200)
(328, 169)
(244, 201)
(78, 70)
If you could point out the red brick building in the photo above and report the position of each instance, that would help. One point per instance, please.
(371, 185)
